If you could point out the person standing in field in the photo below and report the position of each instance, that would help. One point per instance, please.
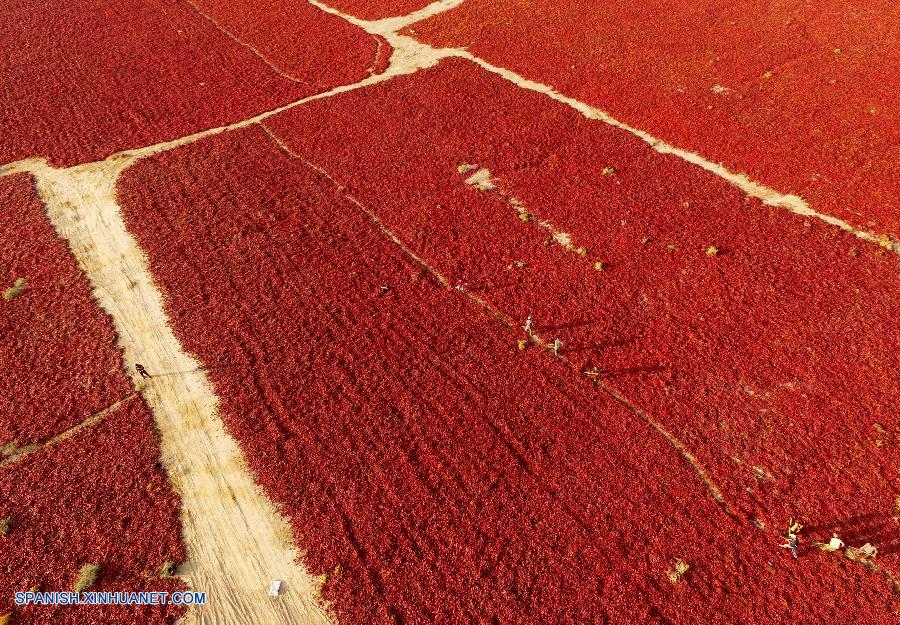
(793, 536)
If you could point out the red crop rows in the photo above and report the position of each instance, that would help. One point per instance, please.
(802, 97)
(772, 360)
(58, 351)
(431, 468)
(726, 365)
(377, 9)
(99, 497)
(92, 77)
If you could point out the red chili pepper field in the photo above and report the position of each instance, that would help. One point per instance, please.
(345, 312)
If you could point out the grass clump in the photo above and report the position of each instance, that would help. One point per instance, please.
(15, 290)
(167, 569)
(87, 577)
(678, 571)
